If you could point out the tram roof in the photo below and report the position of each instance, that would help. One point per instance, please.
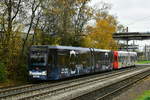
(69, 48)
(126, 53)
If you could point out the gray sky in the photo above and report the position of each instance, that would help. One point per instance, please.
(132, 13)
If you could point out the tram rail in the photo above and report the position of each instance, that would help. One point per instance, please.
(50, 89)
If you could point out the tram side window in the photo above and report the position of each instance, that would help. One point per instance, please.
(73, 60)
(119, 58)
(50, 59)
(109, 57)
(97, 58)
(106, 57)
(85, 59)
(123, 58)
(129, 58)
(102, 56)
(135, 58)
(62, 59)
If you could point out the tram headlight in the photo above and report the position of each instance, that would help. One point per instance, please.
(30, 72)
(44, 73)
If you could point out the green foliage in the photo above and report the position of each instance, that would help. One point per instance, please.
(22, 72)
(143, 62)
(147, 98)
(2, 72)
(144, 96)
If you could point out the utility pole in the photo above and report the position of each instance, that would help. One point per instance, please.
(127, 45)
(127, 29)
(145, 52)
(134, 45)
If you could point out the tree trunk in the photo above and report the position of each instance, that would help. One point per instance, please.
(9, 30)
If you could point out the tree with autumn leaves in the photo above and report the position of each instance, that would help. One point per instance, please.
(49, 22)
(100, 35)
(37, 22)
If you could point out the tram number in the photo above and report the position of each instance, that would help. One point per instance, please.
(36, 76)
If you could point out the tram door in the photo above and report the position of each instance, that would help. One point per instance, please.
(51, 61)
(115, 63)
(93, 60)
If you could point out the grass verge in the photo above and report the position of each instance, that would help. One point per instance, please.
(144, 96)
(143, 62)
(10, 83)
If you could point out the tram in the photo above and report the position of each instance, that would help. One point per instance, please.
(58, 62)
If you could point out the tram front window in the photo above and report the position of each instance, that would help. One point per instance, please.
(38, 59)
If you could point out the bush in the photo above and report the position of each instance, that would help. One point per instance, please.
(2, 72)
(22, 72)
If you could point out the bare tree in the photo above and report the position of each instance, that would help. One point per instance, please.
(34, 6)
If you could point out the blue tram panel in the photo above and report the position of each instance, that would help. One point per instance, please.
(58, 62)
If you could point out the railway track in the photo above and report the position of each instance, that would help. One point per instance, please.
(50, 89)
(122, 86)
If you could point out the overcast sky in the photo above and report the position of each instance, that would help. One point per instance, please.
(132, 13)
